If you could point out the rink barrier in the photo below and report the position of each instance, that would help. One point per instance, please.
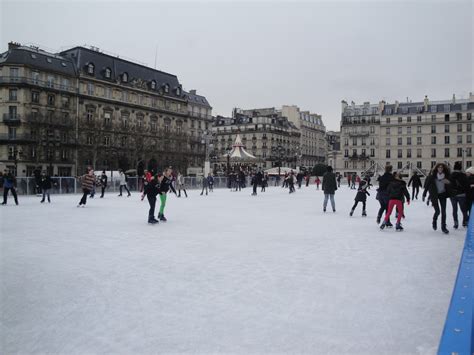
(71, 185)
(458, 333)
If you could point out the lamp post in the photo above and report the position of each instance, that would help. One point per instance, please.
(206, 139)
(16, 154)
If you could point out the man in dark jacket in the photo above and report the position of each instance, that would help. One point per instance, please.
(45, 184)
(151, 190)
(459, 188)
(103, 183)
(382, 194)
(329, 188)
(256, 181)
(9, 184)
(415, 183)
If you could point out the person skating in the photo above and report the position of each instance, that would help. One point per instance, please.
(353, 181)
(329, 188)
(210, 182)
(361, 196)
(151, 190)
(459, 188)
(46, 185)
(307, 177)
(9, 184)
(256, 181)
(349, 176)
(285, 180)
(166, 184)
(415, 183)
(439, 187)
(37, 175)
(264, 182)
(382, 194)
(204, 184)
(299, 179)
(397, 190)
(87, 182)
(103, 183)
(317, 182)
(338, 179)
(180, 185)
(290, 181)
(146, 179)
(123, 183)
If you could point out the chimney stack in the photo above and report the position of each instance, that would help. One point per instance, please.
(192, 92)
(454, 99)
(426, 102)
(13, 45)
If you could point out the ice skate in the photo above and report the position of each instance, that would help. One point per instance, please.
(398, 227)
(351, 213)
(364, 214)
(456, 225)
(444, 229)
(162, 217)
(435, 225)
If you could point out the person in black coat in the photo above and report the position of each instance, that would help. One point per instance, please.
(151, 190)
(459, 188)
(382, 194)
(415, 183)
(439, 187)
(397, 192)
(329, 188)
(361, 196)
(103, 183)
(256, 181)
(45, 184)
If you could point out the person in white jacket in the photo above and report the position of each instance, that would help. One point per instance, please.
(123, 183)
(180, 185)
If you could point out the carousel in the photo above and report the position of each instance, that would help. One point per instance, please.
(238, 158)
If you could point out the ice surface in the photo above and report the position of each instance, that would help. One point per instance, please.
(227, 273)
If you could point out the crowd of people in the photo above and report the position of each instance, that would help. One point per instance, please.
(392, 193)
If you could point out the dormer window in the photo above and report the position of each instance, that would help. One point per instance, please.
(125, 78)
(167, 88)
(178, 91)
(153, 85)
(90, 69)
(108, 73)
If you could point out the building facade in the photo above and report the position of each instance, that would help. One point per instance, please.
(82, 107)
(411, 135)
(272, 139)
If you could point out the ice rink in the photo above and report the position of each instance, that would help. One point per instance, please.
(228, 273)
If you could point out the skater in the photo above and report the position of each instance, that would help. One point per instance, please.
(329, 188)
(470, 190)
(307, 177)
(147, 178)
(290, 181)
(285, 181)
(165, 185)
(367, 178)
(37, 175)
(396, 190)
(180, 184)
(103, 183)
(439, 188)
(264, 182)
(459, 188)
(415, 189)
(46, 185)
(151, 190)
(9, 184)
(361, 196)
(210, 182)
(355, 180)
(257, 180)
(299, 179)
(87, 181)
(317, 182)
(349, 180)
(382, 194)
(338, 179)
(123, 183)
(204, 183)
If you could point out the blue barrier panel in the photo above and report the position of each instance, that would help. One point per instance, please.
(458, 333)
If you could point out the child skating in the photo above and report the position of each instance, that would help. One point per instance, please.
(397, 190)
(166, 181)
(361, 196)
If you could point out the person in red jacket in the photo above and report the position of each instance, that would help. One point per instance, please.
(317, 182)
(397, 192)
(349, 180)
(88, 182)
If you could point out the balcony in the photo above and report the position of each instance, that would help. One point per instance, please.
(199, 115)
(54, 120)
(358, 157)
(358, 134)
(16, 139)
(11, 119)
(35, 82)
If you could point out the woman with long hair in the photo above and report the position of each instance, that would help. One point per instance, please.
(438, 186)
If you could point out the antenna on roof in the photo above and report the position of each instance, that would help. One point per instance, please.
(156, 55)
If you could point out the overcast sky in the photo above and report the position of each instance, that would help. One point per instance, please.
(265, 54)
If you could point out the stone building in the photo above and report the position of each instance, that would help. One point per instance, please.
(83, 107)
(273, 139)
(411, 135)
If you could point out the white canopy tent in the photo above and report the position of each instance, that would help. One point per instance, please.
(238, 151)
(283, 170)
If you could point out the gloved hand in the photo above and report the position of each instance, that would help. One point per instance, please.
(408, 202)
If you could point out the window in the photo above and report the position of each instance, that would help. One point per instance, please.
(125, 96)
(12, 132)
(108, 73)
(459, 152)
(399, 153)
(179, 129)
(125, 117)
(35, 96)
(399, 130)
(90, 69)
(50, 99)
(346, 164)
(346, 141)
(65, 84)
(418, 129)
(399, 165)
(446, 128)
(399, 141)
(153, 85)
(408, 130)
(433, 108)
(459, 140)
(35, 77)
(469, 152)
(153, 124)
(418, 153)
(346, 153)
(12, 95)
(459, 116)
(433, 163)
(459, 127)
(363, 141)
(408, 140)
(387, 141)
(469, 127)
(107, 140)
(354, 140)
(400, 119)
(433, 129)
(408, 119)
(446, 152)
(418, 118)
(418, 140)
(446, 118)
(50, 81)
(446, 139)
(433, 139)
(372, 152)
(178, 91)
(433, 152)
(387, 131)
(418, 164)
(469, 116)
(108, 93)
(12, 111)
(89, 140)
(107, 118)
(372, 141)
(90, 89)
(14, 73)
(469, 138)
(123, 141)
(125, 77)
(372, 129)
(167, 88)
(90, 114)
(65, 101)
(387, 153)
(433, 118)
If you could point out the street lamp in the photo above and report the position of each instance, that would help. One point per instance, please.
(16, 154)
(206, 138)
